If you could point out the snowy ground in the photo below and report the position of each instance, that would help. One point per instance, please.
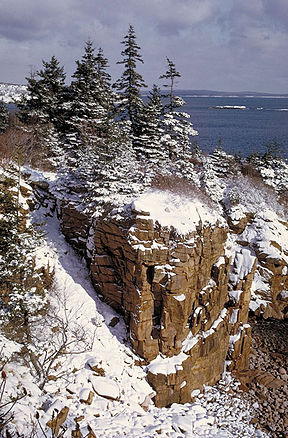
(108, 370)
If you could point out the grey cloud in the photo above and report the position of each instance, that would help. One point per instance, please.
(215, 44)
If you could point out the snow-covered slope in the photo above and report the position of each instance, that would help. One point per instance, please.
(102, 387)
(9, 93)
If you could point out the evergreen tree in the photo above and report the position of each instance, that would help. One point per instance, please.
(108, 98)
(131, 81)
(150, 130)
(45, 99)
(21, 290)
(4, 117)
(178, 128)
(171, 75)
(101, 67)
(92, 107)
(85, 87)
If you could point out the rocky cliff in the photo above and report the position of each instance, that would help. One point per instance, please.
(185, 277)
(164, 264)
(265, 235)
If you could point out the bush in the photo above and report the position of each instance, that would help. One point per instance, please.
(182, 187)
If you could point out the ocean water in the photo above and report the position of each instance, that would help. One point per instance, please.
(243, 131)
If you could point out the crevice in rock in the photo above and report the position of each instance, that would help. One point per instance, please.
(150, 274)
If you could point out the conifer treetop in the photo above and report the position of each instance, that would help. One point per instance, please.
(46, 94)
(131, 81)
(171, 75)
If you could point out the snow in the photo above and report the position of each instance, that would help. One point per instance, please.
(243, 264)
(105, 387)
(167, 365)
(220, 262)
(234, 316)
(284, 295)
(11, 92)
(260, 290)
(119, 393)
(173, 210)
(235, 295)
(181, 297)
(170, 365)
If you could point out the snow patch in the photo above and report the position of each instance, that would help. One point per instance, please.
(175, 211)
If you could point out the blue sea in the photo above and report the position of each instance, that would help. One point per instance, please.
(243, 131)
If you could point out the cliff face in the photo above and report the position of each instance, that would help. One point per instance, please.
(171, 284)
(161, 281)
(266, 236)
(165, 264)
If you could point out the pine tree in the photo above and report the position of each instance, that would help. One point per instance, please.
(131, 81)
(4, 117)
(45, 99)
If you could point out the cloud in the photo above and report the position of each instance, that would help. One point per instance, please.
(215, 44)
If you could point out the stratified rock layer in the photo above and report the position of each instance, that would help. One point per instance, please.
(172, 290)
(184, 300)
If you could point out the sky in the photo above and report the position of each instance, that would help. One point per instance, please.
(227, 45)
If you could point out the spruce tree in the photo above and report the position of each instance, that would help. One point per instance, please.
(21, 291)
(150, 130)
(85, 90)
(92, 107)
(177, 126)
(171, 75)
(107, 98)
(45, 99)
(131, 81)
(101, 66)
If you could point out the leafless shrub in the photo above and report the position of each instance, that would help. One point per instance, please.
(253, 192)
(247, 169)
(182, 187)
(24, 146)
(62, 336)
(7, 405)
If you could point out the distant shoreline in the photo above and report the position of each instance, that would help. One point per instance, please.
(246, 94)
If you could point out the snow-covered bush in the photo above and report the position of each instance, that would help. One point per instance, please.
(22, 283)
(181, 186)
(234, 196)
